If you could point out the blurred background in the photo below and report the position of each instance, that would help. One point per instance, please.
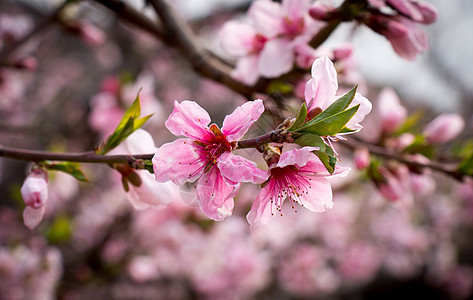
(67, 87)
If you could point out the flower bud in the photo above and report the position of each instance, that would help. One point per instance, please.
(321, 11)
(392, 113)
(444, 128)
(428, 11)
(361, 157)
(35, 194)
(88, 32)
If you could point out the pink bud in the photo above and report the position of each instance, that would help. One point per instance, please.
(396, 29)
(391, 111)
(444, 128)
(321, 11)
(29, 63)
(407, 8)
(35, 194)
(391, 188)
(342, 52)
(361, 157)
(428, 11)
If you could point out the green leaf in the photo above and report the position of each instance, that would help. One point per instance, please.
(330, 125)
(70, 168)
(347, 130)
(328, 158)
(338, 106)
(301, 116)
(309, 139)
(279, 87)
(128, 124)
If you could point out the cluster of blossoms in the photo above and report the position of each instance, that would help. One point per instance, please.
(278, 35)
(205, 155)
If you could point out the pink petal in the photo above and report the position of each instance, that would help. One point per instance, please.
(319, 196)
(34, 191)
(246, 69)
(267, 17)
(363, 110)
(298, 157)
(295, 9)
(276, 58)
(151, 192)
(239, 121)
(407, 8)
(215, 195)
(321, 89)
(179, 161)
(237, 38)
(189, 119)
(239, 169)
(140, 142)
(32, 216)
(261, 210)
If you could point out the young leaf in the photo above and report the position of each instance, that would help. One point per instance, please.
(331, 125)
(338, 106)
(328, 158)
(70, 168)
(128, 124)
(309, 139)
(301, 116)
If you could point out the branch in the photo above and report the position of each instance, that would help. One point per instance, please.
(381, 151)
(84, 157)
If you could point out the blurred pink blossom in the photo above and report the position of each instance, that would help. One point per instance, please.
(361, 157)
(392, 112)
(444, 128)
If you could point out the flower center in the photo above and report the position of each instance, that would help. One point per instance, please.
(289, 183)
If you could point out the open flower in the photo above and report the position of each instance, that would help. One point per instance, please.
(298, 176)
(321, 89)
(199, 156)
(268, 46)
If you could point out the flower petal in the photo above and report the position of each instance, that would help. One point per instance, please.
(215, 195)
(239, 121)
(180, 161)
(246, 69)
(151, 192)
(321, 89)
(237, 38)
(298, 157)
(261, 210)
(319, 196)
(240, 169)
(295, 9)
(140, 142)
(267, 17)
(190, 120)
(363, 110)
(32, 216)
(276, 58)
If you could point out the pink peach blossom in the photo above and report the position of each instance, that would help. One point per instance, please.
(299, 176)
(206, 152)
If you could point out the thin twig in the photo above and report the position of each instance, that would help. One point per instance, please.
(383, 152)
